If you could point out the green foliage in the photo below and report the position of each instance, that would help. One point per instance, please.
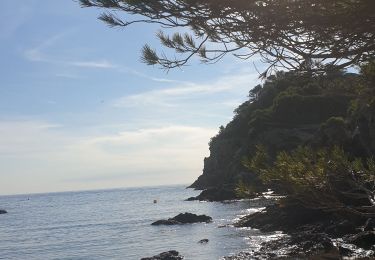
(368, 72)
(299, 109)
(259, 162)
(334, 132)
(245, 190)
(322, 179)
(311, 36)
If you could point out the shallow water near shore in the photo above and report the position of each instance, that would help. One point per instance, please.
(115, 224)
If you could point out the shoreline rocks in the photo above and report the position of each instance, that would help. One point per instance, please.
(3, 211)
(311, 232)
(183, 218)
(169, 255)
(365, 240)
(215, 194)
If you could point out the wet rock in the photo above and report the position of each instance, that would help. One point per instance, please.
(341, 228)
(345, 251)
(169, 221)
(311, 243)
(301, 244)
(192, 218)
(241, 256)
(3, 211)
(215, 194)
(369, 225)
(364, 239)
(184, 218)
(170, 255)
(203, 241)
(287, 219)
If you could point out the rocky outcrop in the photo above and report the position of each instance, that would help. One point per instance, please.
(287, 219)
(285, 115)
(183, 218)
(296, 246)
(216, 194)
(3, 211)
(169, 255)
(309, 233)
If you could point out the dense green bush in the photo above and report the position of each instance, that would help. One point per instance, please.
(325, 179)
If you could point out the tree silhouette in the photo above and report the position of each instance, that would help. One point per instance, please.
(305, 35)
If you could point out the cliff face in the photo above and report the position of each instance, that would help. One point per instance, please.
(287, 111)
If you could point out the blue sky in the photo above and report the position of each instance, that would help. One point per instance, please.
(78, 110)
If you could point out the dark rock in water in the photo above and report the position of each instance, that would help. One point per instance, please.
(341, 228)
(170, 255)
(203, 241)
(192, 218)
(215, 194)
(364, 239)
(369, 225)
(345, 251)
(184, 218)
(169, 221)
(3, 211)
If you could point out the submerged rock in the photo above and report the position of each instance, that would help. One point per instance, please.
(184, 218)
(3, 211)
(169, 255)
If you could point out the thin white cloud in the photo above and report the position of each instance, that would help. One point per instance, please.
(170, 97)
(68, 75)
(92, 64)
(39, 54)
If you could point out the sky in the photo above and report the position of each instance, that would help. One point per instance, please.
(80, 111)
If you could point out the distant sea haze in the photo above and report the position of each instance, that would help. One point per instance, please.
(115, 224)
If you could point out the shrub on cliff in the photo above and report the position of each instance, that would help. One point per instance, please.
(324, 179)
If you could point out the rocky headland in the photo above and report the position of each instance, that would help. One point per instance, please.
(310, 139)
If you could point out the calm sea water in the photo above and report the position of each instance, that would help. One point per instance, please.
(115, 224)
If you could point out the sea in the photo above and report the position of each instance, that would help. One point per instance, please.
(116, 224)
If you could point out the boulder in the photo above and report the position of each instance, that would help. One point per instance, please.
(341, 228)
(369, 225)
(167, 222)
(216, 194)
(183, 218)
(169, 255)
(3, 211)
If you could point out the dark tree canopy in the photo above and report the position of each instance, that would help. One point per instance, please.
(305, 35)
